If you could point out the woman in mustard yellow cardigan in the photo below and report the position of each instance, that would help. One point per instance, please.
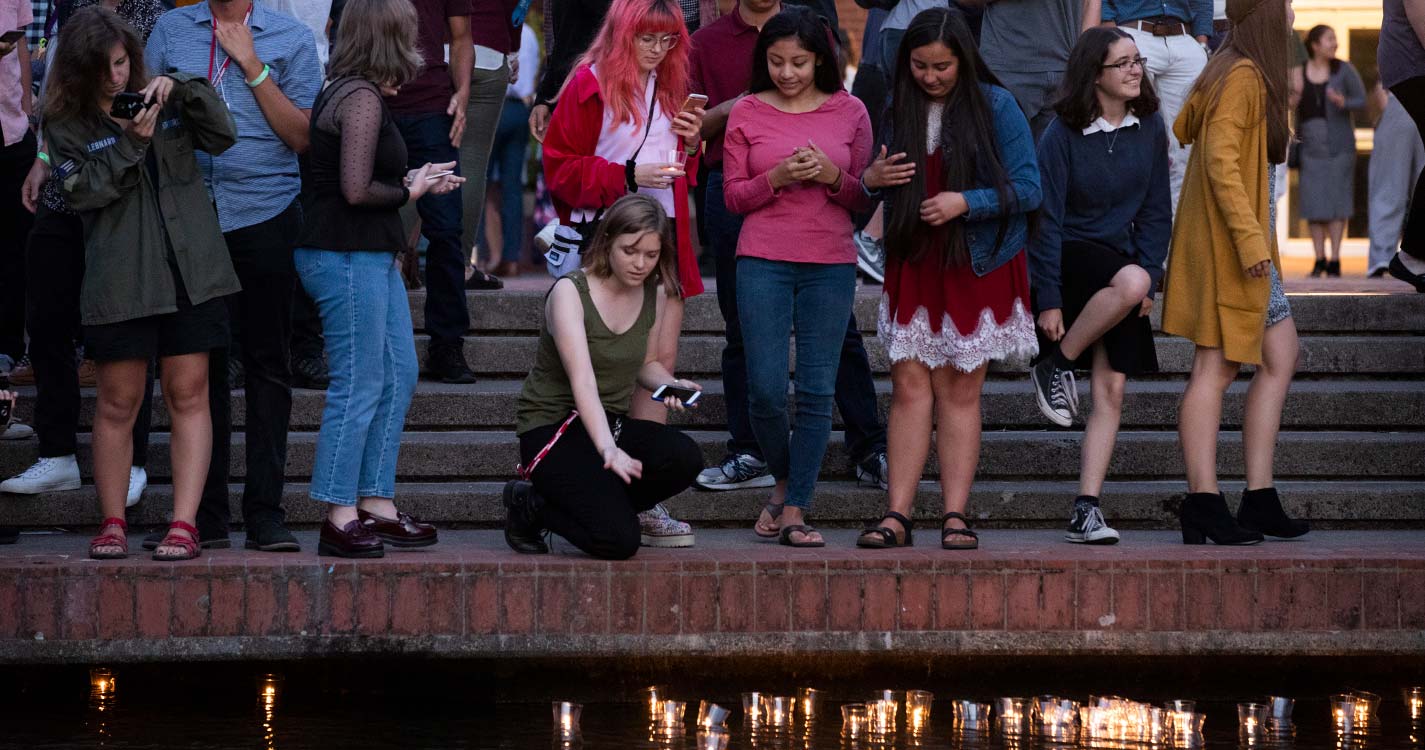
(1223, 287)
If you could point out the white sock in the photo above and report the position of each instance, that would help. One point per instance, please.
(1412, 263)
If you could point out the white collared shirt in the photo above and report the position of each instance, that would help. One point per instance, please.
(1104, 126)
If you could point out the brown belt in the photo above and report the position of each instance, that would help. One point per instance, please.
(1162, 27)
(1221, 26)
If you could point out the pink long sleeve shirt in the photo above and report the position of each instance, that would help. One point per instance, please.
(804, 222)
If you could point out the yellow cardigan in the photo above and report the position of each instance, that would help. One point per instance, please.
(1221, 228)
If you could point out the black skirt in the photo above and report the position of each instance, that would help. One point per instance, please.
(1085, 269)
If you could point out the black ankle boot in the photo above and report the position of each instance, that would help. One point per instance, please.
(1319, 269)
(1205, 516)
(1333, 269)
(523, 530)
(1261, 510)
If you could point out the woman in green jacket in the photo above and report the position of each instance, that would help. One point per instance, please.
(156, 268)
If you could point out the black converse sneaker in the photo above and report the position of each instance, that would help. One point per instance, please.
(1087, 526)
(1056, 392)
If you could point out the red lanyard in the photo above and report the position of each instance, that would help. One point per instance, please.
(213, 51)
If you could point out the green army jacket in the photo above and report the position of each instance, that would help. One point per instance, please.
(103, 174)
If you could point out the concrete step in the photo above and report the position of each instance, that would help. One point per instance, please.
(1007, 454)
(520, 311)
(1331, 404)
(1036, 504)
(701, 355)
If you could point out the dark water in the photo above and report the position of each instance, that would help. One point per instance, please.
(142, 709)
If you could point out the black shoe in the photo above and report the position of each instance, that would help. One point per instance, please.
(237, 373)
(1204, 516)
(483, 281)
(1261, 510)
(523, 531)
(1319, 269)
(1399, 271)
(1379, 273)
(310, 372)
(1333, 269)
(270, 536)
(447, 364)
(206, 539)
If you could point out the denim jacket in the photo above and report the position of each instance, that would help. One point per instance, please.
(1016, 152)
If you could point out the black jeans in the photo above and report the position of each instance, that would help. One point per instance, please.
(262, 257)
(15, 221)
(447, 317)
(1411, 94)
(588, 504)
(855, 388)
(54, 271)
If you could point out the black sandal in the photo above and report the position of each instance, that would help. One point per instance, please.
(774, 510)
(881, 537)
(785, 536)
(967, 532)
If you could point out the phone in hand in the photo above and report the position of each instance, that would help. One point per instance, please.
(440, 174)
(688, 396)
(5, 406)
(695, 101)
(127, 105)
(10, 37)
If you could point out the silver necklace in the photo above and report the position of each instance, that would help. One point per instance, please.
(1113, 139)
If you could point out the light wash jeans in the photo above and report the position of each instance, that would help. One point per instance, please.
(372, 355)
(772, 298)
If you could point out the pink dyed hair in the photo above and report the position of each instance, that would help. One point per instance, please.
(615, 52)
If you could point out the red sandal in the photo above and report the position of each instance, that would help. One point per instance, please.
(191, 548)
(110, 540)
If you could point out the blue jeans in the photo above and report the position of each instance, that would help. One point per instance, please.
(507, 162)
(372, 354)
(773, 297)
(447, 318)
(855, 388)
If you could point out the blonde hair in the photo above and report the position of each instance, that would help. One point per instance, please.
(635, 214)
(377, 41)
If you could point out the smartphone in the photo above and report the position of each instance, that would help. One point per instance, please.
(10, 37)
(127, 105)
(694, 101)
(4, 414)
(687, 395)
(438, 175)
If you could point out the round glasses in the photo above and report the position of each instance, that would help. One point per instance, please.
(654, 41)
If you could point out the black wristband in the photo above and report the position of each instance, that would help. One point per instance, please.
(628, 178)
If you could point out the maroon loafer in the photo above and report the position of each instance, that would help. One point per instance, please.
(402, 531)
(351, 540)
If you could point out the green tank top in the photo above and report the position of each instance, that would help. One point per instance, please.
(547, 398)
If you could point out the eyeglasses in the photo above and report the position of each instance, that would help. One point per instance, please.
(1123, 67)
(650, 41)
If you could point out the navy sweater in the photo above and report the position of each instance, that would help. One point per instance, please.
(1120, 200)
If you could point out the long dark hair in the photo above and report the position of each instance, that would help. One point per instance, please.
(968, 145)
(814, 35)
(1259, 35)
(82, 65)
(1078, 94)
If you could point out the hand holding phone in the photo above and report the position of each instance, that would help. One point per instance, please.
(694, 101)
(440, 174)
(684, 396)
(127, 105)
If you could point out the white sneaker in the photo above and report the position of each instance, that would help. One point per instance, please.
(17, 431)
(47, 475)
(138, 481)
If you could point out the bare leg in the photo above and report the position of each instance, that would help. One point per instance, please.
(1265, 398)
(1200, 416)
(957, 433)
(1338, 228)
(765, 522)
(670, 327)
(1318, 238)
(1105, 309)
(907, 436)
(1101, 430)
(185, 392)
(876, 225)
(120, 394)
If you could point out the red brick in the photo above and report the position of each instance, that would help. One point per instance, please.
(880, 601)
(987, 601)
(590, 605)
(191, 601)
(1165, 600)
(1022, 600)
(79, 612)
(1130, 600)
(1238, 600)
(1201, 600)
(341, 603)
(262, 614)
(482, 601)
(735, 602)
(1412, 598)
(298, 617)
(1346, 599)
(445, 604)
(1056, 599)
(225, 608)
(952, 601)
(917, 601)
(700, 604)
(116, 605)
(809, 612)
(626, 604)
(553, 603)
(1382, 600)
(844, 601)
(154, 607)
(1273, 601)
(42, 595)
(9, 604)
(663, 604)
(373, 602)
(1309, 600)
(517, 605)
(1094, 599)
(774, 601)
(410, 606)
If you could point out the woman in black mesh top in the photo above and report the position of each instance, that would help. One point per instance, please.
(346, 258)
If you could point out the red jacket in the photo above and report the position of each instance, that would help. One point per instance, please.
(578, 179)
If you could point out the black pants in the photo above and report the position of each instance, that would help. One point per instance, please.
(588, 504)
(307, 342)
(54, 271)
(15, 221)
(1411, 94)
(262, 257)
